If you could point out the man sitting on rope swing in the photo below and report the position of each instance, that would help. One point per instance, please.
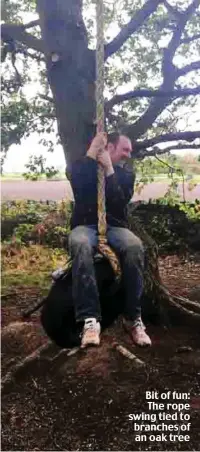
(111, 152)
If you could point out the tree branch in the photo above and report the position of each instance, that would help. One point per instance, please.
(170, 74)
(174, 12)
(187, 136)
(188, 68)
(25, 52)
(173, 170)
(48, 98)
(31, 24)
(190, 39)
(16, 32)
(151, 93)
(131, 27)
(158, 151)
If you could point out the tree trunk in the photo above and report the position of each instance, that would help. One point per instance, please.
(71, 73)
(158, 302)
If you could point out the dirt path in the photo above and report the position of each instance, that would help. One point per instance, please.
(57, 190)
(83, 402)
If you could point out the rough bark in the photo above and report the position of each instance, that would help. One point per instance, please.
(71, 72)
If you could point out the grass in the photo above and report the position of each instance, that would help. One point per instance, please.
(158, 178)
(29, 266)
(18, 177)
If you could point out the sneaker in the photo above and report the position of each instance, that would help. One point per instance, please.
(138, 333)
(91, 333)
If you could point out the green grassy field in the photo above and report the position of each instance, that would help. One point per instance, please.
(11, 176)
(158, 178)
(17, 177)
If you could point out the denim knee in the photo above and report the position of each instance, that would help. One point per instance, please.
(78, 242)
(134, 252)
(135, 246)
(81, 239)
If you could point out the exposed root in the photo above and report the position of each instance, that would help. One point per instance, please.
(181, 304)
(73, 351)
(27, 314)
(153, 282)
(125, 352)
(23, 365)
(193, 305)
(64, 352)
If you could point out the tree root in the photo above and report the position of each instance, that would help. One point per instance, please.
(125, 352)
(35, 356)
(23, 365)
(193, 305)
(182, 305)
(164, 300)
(64, 352)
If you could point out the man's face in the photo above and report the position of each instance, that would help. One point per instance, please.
(121, 151)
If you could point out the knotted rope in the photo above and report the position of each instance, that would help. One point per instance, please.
(102, 226)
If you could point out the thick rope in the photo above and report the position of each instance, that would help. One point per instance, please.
(102, 226)
(100, 113)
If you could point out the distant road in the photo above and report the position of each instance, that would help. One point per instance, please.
(58, 190)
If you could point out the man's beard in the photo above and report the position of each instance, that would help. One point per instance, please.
(121, 162)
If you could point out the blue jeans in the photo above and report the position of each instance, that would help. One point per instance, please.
(82, 247)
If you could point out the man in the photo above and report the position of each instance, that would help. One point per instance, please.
(112, 153)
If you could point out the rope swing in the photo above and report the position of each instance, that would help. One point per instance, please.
(103, 247)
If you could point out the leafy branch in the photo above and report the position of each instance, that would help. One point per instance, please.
(187, 136)
(131, 27)
(170, 74)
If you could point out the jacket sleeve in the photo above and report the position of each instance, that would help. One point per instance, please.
(82, 178)
(120, 192)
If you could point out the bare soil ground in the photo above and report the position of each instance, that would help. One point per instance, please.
(82, 402)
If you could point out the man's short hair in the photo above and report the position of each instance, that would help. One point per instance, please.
(114, 138)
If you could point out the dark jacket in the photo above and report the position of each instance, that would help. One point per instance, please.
(119, 191)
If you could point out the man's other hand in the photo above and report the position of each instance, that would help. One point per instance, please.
(103, 157)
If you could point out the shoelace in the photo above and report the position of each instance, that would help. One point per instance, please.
(89, 325)
(139, 323)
